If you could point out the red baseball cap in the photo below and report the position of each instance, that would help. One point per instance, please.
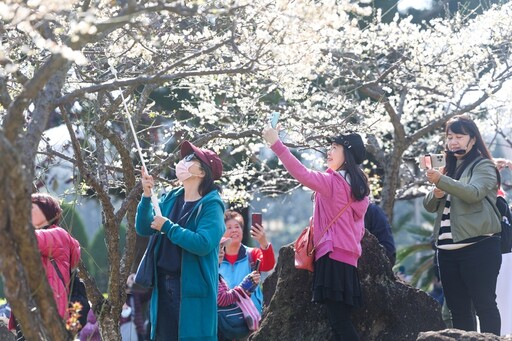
(206, 155)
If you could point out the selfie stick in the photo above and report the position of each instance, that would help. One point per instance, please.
(154, 199)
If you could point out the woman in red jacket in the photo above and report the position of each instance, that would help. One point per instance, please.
(56, 244)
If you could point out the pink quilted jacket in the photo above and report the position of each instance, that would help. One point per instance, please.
(55, 242)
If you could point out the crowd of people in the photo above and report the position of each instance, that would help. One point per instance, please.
(201, 263)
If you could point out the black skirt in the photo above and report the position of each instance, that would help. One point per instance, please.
(336, 281)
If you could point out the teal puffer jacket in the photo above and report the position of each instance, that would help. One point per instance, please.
(199, 239)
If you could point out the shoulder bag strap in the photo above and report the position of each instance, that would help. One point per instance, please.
(332, 221)
(58, 271)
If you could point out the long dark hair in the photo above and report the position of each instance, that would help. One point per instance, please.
(208, 184)
(463, 125)
(358, 179)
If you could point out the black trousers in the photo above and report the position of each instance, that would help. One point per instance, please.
(169, 300)
(338, 314)
(469, 276)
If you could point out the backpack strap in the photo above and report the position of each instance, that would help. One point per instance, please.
(486, 197)
(500, 217)
(473, 166)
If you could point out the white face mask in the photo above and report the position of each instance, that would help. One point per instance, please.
(182, 170)
(126, 312)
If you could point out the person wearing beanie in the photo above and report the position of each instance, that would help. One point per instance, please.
(340, 203)
(57, 247)
(186, 248)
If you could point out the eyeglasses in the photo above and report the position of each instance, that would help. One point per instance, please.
(190, 157)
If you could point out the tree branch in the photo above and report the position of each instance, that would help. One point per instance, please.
(113, 85)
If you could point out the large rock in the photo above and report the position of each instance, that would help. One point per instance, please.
(456, 335)
(392, 310)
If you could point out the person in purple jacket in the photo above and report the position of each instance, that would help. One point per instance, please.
(336, 280)
(91, 331)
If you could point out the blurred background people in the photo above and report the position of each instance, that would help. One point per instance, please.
(133, 314)
(376, 222)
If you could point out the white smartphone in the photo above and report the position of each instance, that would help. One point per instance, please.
(429, 161)
(438, 160)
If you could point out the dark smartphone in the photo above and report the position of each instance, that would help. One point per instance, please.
(256, 219)
(257, 265)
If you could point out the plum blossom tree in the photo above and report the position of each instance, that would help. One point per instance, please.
(211, 72)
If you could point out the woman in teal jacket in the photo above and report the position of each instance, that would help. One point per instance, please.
(468, 251)
(184, 300)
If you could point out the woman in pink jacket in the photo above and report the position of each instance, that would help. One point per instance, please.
(54, 243)
(343, 184)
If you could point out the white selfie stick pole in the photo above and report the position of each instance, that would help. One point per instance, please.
(154, 199)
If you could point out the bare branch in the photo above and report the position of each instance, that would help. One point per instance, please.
(113, 85)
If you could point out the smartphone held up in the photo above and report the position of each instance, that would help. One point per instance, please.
(273, 119)
(256, 218)
(430, 161)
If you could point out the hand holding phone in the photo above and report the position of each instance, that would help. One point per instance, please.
(256, 218)
(257, 265)
(430, 161)
(258, 231)
(425, 162)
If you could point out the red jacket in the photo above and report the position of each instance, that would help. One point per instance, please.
(55, 242)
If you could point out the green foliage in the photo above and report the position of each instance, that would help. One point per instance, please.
(417, 256)
(97, 260)
(72, 222)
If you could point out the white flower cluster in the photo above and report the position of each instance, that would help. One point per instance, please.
(226, 64)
